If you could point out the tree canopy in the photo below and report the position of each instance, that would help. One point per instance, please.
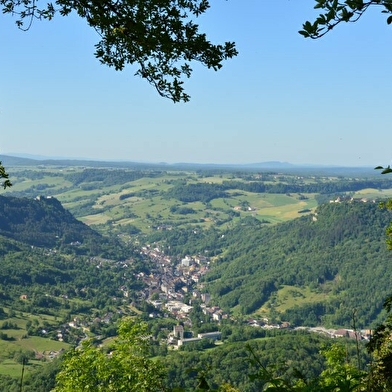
(4, 177)
(159, 36)
(126, 368)
(335, 12)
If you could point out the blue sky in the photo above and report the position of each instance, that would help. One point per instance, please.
(284, 98)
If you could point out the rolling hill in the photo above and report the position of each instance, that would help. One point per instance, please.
(313, 270)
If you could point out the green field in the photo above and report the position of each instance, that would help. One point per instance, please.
(143, 202)
(127, 206)
(289, 296)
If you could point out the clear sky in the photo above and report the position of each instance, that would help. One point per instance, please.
(284, 98)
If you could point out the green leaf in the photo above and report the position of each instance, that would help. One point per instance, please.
(387, 170)
(304, 33)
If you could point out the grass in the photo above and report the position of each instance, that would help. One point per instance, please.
(374, 193)
(37, 343)
(289, 296)
(147, 211)
(10, 368)
(34, 343)
(21, 341)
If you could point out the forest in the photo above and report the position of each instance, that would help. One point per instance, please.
(340, 252)
(321, 264)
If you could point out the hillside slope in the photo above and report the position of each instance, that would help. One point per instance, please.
(48, 255)
(339, 254)
(42, 222)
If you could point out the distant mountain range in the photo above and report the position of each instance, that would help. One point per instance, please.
(16, 160)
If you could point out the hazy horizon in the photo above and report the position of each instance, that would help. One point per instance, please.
(323, 102)
(277, 162)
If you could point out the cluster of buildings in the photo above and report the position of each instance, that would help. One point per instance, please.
(265, 323)
(331, 333)
(179, 338)
(342, 333)
(342, 199)
(176, 283)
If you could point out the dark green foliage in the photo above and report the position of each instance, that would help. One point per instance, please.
(4, 177)
(126, 196)
(322, 187)
(49, 280)
(335, 12)
(230, 363)
(310, 314)
(160, 37)
(191, 240)
(127, 368)
(147, 193)
(181, 210)
(41, 222)
(4, 336)
(23, 356)
(343, 245)
(252, 221)
(198, 346)
(380, 347)
(130, 229)
(385, 170)
(8, 325)
(40, 379)
(98, 178)
(196, 192)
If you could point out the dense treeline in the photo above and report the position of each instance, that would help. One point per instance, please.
(190, 241)
(51, 280)
(145, 193)
(46, 258)
(340, 252)
(43, 222)
(109, 177)
(291, 353)
(205, 192)
(196, 192)
(37, 174)
(325, 187)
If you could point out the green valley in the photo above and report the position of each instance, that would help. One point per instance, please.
(252, 254)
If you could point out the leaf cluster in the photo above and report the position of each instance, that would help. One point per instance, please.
(335, 12)
(126, 367)
(159, 36)
(284, 355)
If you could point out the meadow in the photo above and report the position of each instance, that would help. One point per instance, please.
(142, 203)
